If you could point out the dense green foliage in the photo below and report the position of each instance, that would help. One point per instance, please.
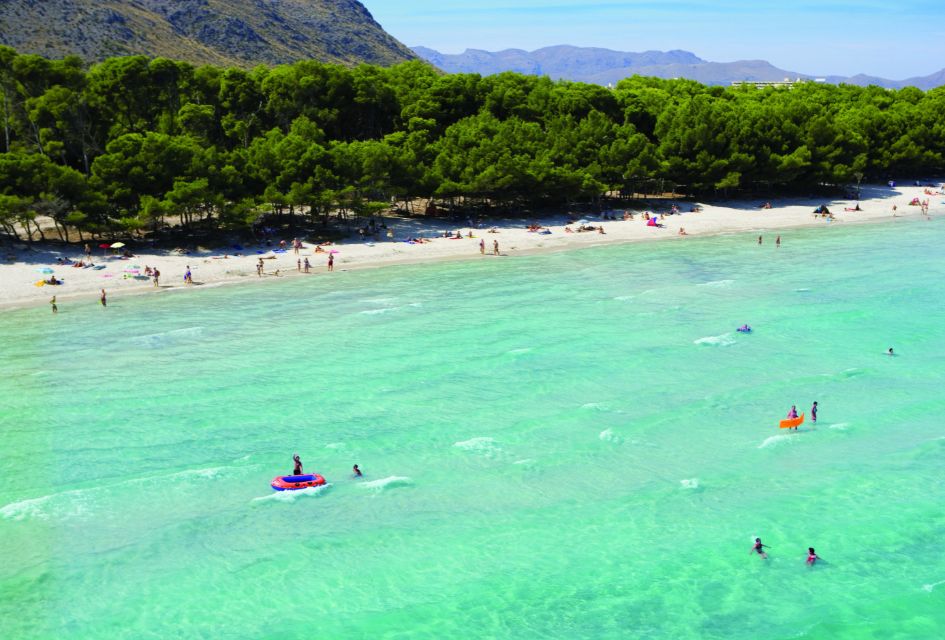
(132, 142)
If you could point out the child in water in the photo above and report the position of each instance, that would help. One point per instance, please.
(759, 549)
(813, 412)
(812, 556)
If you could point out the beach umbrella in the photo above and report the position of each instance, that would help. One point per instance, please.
(117, 245)
(104, 246)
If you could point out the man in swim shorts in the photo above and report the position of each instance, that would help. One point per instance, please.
(297, 470)
(759, 549)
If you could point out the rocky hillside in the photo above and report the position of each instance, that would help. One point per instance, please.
(224, 32)
(603, 66)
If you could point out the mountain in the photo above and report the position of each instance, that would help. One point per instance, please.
(223, 32)
(603, 66)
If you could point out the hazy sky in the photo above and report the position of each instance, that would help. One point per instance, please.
(894, 39)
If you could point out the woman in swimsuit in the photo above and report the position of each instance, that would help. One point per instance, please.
(812, 557)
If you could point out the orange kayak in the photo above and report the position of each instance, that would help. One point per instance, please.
(792, 422)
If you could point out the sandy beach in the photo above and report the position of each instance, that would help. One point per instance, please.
(21, 266)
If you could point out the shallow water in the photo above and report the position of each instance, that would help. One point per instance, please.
(574, 445)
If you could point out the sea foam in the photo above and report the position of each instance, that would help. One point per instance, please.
(390, 482)
(723, 340)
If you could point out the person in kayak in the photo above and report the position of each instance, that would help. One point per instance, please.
(297, 470)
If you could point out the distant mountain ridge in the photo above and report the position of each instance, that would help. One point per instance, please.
(223, 32)
(605, 66)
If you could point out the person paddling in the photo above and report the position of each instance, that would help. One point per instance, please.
(297, 470)
(759, 549)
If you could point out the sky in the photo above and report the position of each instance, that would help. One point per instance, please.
(894, 39)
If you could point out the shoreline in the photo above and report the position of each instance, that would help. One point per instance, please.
(18, 290)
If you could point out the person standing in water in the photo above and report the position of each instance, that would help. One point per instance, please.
(482, 247)
(759, 239)
(812, 556)
(813, 412)
(103, 299)
(495, 247)
(777, 242)
(759, 549)
(55, 309)
(356, 472)
(297, 469)
(792, 413)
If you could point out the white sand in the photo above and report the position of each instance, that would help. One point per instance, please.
(18, 278)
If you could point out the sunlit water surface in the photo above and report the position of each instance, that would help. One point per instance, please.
(574, 445)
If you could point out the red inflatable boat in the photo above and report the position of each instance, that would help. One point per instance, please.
(294, 483)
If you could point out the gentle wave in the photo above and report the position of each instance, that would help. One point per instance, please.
(377, 312)
(390, 482)
(717, 283)
(931, 587)
(292, 496)
(774, 441)
(690, 483)
(166, 337)
(839, 426)
(723, 340)
(483, 444)
(43, 507)
(608, 435)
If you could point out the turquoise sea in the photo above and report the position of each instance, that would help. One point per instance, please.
(570, 445)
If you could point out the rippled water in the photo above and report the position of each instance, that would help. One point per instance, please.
(575, 445)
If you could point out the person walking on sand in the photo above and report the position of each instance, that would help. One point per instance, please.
(331, 262)
(259, 268)
(103, 299)
(495, 247)
(298, 265)
(759, 549)
(813, 412)
(482, 247)
(188, 276)
(88, 252)
(306, 265)
(777, 242)
(55, 309)
(157, 277)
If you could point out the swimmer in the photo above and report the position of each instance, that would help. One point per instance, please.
(891, 351)
(297, 470)
(812, 556)
(759, 549)
(356, 472)
(813, 412)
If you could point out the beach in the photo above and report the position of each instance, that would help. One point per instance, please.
(568, 444)
(222, 265)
